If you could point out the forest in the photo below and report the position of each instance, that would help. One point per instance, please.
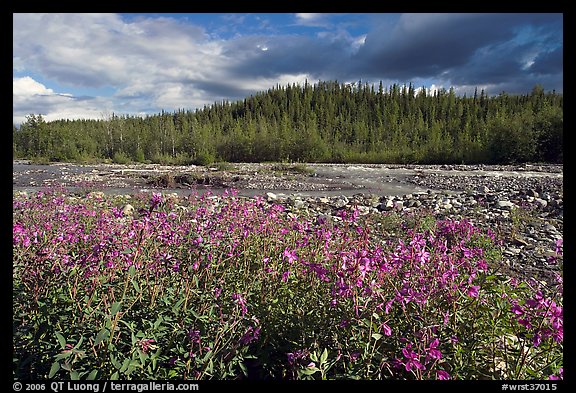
(323, 122)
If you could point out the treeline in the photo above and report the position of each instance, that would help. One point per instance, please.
(323, 122)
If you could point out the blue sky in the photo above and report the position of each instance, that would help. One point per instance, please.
(91, 65)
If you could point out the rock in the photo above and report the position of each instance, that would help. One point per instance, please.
(340, 202)
(96, 195)
(270, 196)
(532, 193)
(298, 203)
(127, 210)
(550, 228)
(541, 202)
(363, 210)
(504, 205)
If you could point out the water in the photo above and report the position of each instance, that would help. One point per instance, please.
(351, 179)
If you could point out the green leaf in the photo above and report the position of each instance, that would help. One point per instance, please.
(310, 370)
(324, 356)
(63, 355)
(61, 340)
(115, 376)
(54, 369)
(136, 286)
(79, 343)
(125, 365)
(115, 362)
(177, 305)
(115, 308)
(143, 357)
(92, 376)
(103, 335)
(376, 336)
(243, 368)
(158, 322)
(74, 375)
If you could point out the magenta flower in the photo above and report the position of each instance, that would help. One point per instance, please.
(290, 255)
(473, 291)
(537, 339)
(516, 309)
(442, 375)
(241, 301)
(558, 377)
(412, 359)
(147, 344)
(387, 330)
(156, 199)
(250, 335)
(433, 351)
(194, 336)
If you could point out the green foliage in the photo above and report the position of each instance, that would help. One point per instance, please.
(228, 288)
(120, 158)
(324, 122)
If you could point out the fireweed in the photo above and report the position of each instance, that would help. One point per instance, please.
(231, 288)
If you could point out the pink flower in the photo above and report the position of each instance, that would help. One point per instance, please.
(388, 306)
(537, 339)
(558, 377)
(290, 255)
(387, 330)
(516, 309)
(433, 351)
(147, 344)
(442, 375)
(473, 291)
(412, 359)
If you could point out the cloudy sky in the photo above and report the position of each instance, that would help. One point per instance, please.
(90, 65)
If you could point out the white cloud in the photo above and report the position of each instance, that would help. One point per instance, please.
(311, 19)
(151, 63)
(26, 86)
(308, 16)
(32, 97)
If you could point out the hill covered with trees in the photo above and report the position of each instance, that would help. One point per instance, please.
(323, 122)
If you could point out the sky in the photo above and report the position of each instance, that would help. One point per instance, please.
(73, 66)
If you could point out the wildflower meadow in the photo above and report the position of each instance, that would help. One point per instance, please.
(226, 287)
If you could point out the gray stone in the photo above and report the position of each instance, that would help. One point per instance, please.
(271, 196)
(541, 202)
(532, 193)
(127, 210)
(340, 202)
(504, 205)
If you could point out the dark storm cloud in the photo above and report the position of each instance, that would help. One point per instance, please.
(548, 62)
(425, 45)
(273, 56)
(222, 89)
(454, 49)
(168, 63)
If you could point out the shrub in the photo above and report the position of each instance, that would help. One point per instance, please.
(230, 288)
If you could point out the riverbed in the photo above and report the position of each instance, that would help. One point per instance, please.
(251, 179)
